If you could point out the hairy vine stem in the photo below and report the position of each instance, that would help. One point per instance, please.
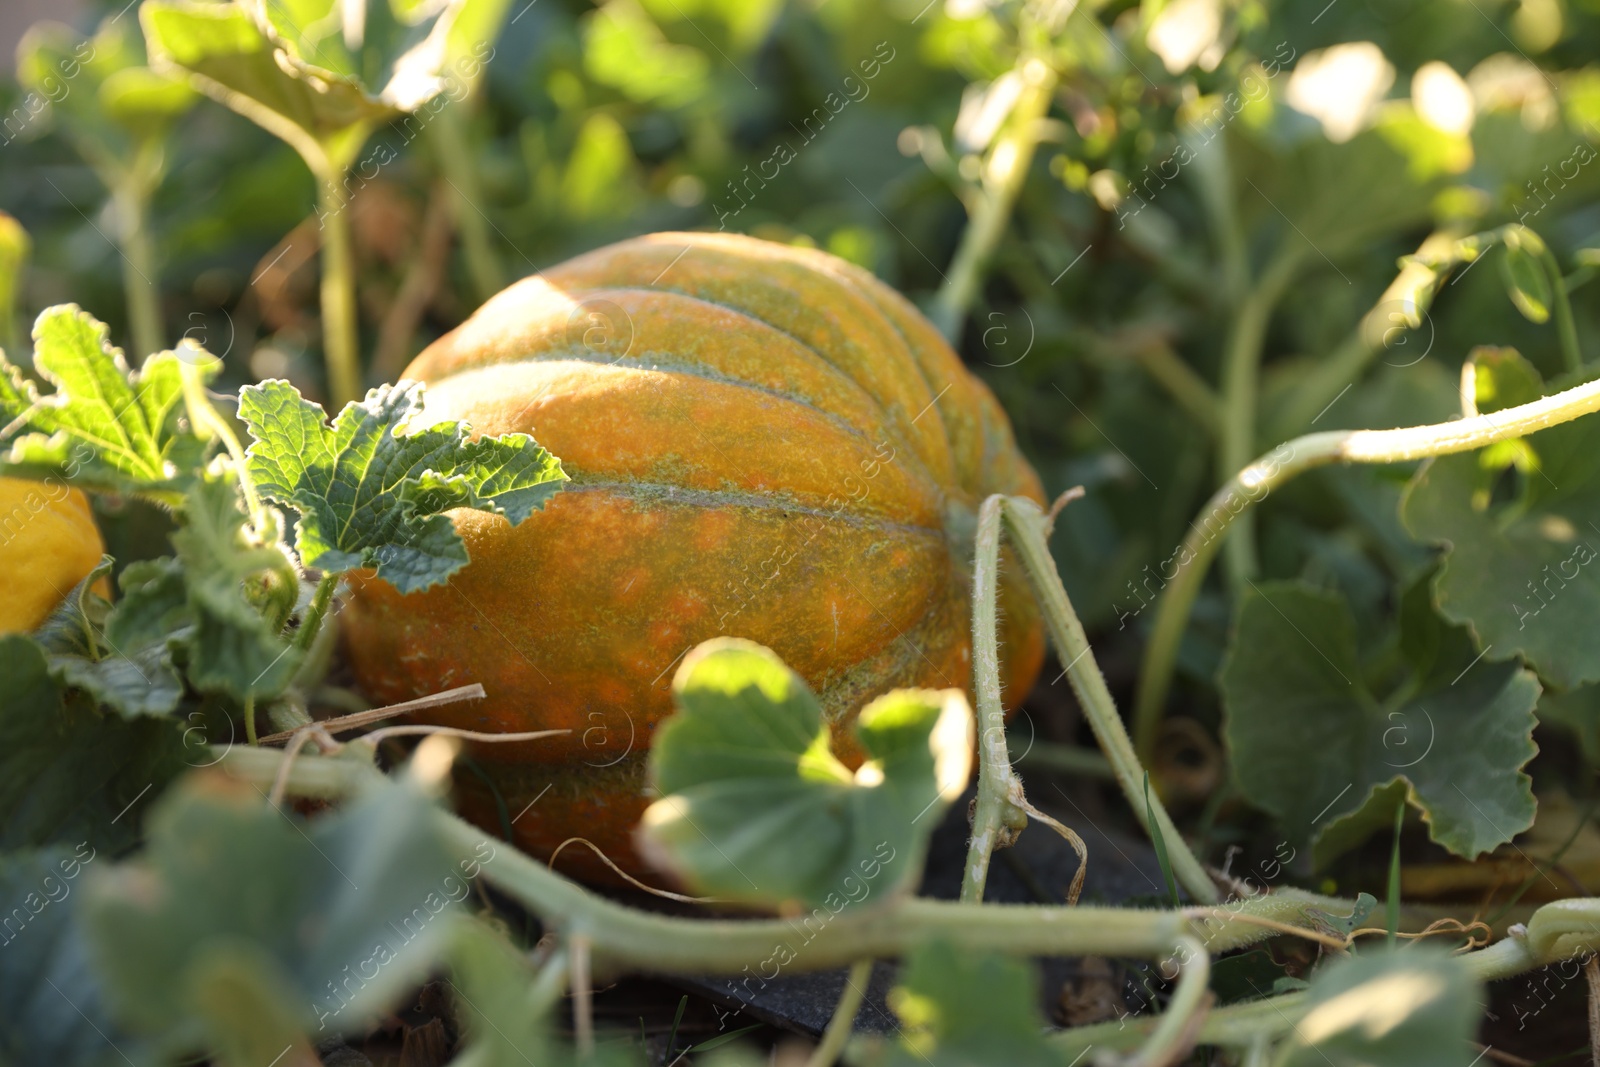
(1241, 372)
(617, 937)
(1254, 482)
(844, 1015)
(621, 937)
(316, 611)
(1028, 528)
(995, 811)
(340, 343)
(1004, 172)
(208, 423)
(1558, 932)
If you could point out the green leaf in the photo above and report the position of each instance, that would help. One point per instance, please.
(1578, 712)
(234, 648)
(1520, 525)
(958, 1009)
(116, 109)
(490, 981)
(69, 773)
(1500, 378)
(320, 925)
(1527, 283)
(103, 427)
(52, 1007)
(304, 69)
(1412, 1008)
(626, 50)
(140, 682)
(130, 673)
(372, 492)
(1314, 746)
(746, 764)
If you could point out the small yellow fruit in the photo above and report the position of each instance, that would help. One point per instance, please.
(48, 544)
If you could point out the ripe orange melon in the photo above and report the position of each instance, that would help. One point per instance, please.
(764, 442)
(48, 544)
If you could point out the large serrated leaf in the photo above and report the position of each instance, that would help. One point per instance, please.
(1313, 745)
(103, 426)
(335, 919)
(1520, 522)
(372, 493)
(747, 761)
(69, 773)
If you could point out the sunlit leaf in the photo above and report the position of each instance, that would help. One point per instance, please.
(1411, 1008)
(747, 761)
(317, 73)
(372, 491)
(1526, 281)
(104, 426)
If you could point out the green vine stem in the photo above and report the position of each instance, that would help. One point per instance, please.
(1028, 528)
(844, 1015)
(1566, 329)
(340, 342)
(995, 811)
(250, 719)
(621, 937)
(1241, 373)
(132, 202)
(1067, 759)
(1260, 478)
(1407, 295)
(1172, 1033)
(208, 422)
(1563, 930)
(1004, 172)
(316, 611)
(1214, 180)
(456, 162)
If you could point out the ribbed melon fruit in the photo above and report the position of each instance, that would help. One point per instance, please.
(764, 442)
(48, 543)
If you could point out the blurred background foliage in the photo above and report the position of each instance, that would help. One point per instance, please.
(1213, 181)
